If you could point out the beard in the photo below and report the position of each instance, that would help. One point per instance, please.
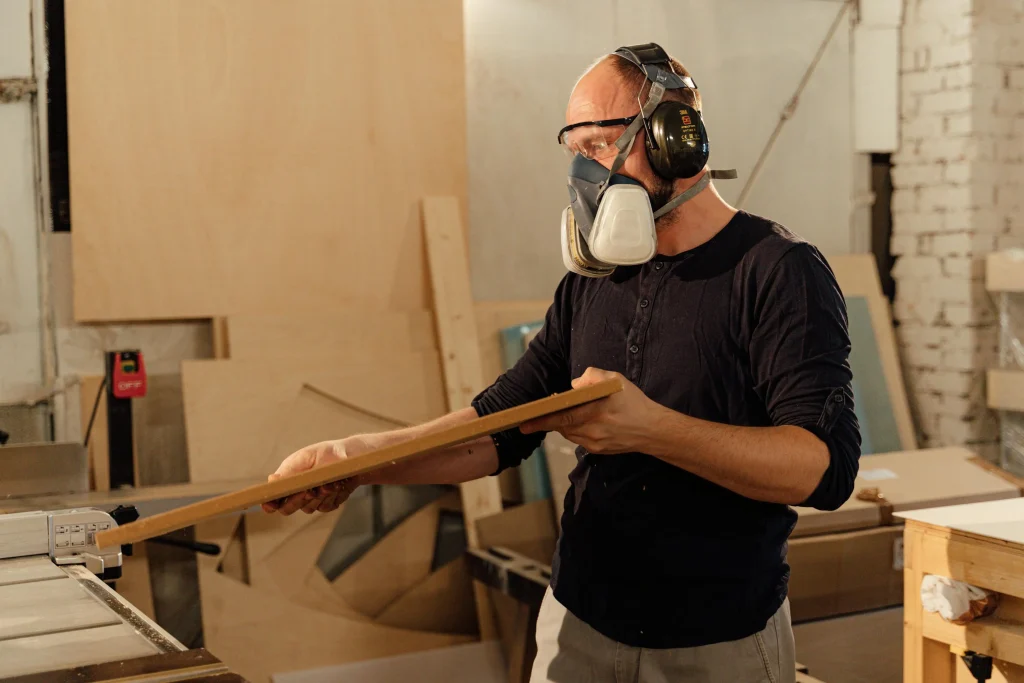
(660, 192)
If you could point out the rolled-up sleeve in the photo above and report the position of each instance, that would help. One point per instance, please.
(799, 355)
(541, 371)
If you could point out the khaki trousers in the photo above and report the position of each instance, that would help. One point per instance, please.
(569, 651)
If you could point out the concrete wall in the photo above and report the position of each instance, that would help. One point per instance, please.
(958, 181)
(747, 57)
(21, 371)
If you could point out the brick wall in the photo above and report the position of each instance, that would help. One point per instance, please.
(957, 181)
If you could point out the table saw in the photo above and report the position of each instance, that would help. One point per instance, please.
(60, 621)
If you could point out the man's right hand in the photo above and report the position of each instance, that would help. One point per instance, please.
(323, 498)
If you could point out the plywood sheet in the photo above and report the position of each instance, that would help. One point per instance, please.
(68, 649)
(250, 202)
(1004, 271)
(442, 602)
(258, 634)
(1006, 390)
(1001, 520)
(234, 409)
(470, 663)
(393, 566)
(237, 501)
(912, 480)
(325, 334)
(34, 469)
(494, 316)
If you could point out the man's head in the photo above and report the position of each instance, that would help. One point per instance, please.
(609, 90)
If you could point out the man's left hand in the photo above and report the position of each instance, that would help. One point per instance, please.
(620, 423)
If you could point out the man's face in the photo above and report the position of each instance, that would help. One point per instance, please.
(601, 96)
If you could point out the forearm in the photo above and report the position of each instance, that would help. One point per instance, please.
(453, 465)
(773, 464)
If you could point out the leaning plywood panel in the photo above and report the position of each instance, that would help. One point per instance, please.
(258, 634)
(235, 410)
(251, 154)
(857, 275)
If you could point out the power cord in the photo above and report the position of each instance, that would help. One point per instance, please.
(95, 407)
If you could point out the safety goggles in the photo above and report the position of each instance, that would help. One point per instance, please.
(594, 139)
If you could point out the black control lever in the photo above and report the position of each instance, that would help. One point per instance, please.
(124, 514)
(194, 546)
(980, 666)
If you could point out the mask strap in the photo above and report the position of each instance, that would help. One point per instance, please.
(628, 137)
(686, 196)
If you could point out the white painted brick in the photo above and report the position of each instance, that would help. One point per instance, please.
(956, 244)
(988, 76)
(905, 200)
(922, 126)
(927, 402)
(921, 33)
(920, 82)
(950, 382)
(961, 291)
(959, 124)
(1007, 105)
(1018, 128)
(940, 10)
(917, 267)
(947, 197)
(920, 335)
(969, 314)
(959, 76)
(962, 406)
(922, 357)
(908, 60)
(910, 105)
(1009, 242)
(958, 359)
(953, 431)
(955, 149)
(918, 223)
(949, 53)
(1017, 78)
(946, 102)
(1011, 153)
(916, 175)
(903, 244)
(957, 172)
(1009, 54)
(996, 11)
(973, 220)
(1007, 197)
(916, 309)
(961, 265)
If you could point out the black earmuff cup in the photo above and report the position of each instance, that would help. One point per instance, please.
(680, 137)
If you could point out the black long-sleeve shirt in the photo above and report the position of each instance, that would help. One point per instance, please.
(748, 329)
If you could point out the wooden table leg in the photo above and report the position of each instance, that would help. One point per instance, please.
(924, 660)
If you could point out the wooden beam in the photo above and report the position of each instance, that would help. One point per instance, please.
(460, 357)
(383, 457)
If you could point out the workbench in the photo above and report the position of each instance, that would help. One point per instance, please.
(981, 544)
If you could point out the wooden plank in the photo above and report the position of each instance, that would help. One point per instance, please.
(857, 275)
(148, 496)
(999, 521)
(34, 469)
(1002, 640)
(92, 395)
(460, 357)
(254, 495)
(221, 335)
(980, 563)
(1006, 389)
(1004, 271)
(265, 207)
(189, 663)
(53, 651)
(443, 603)
(60, 604)
(234, 408)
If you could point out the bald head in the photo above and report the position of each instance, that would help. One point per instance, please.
(609, 87)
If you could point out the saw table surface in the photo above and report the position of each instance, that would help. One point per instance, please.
(54, 618)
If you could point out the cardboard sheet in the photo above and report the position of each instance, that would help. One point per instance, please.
(241, 500)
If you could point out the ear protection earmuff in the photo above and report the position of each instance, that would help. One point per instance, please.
(676, 142)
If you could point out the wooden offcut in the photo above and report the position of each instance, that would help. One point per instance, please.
(1004, 271)
(254, 495)
(1006, 390)
(250, 140)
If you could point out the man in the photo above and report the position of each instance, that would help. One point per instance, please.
(732, 345)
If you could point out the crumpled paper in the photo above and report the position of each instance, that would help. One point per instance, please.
(956, 601)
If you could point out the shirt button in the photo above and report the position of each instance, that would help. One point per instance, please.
(657, 266)
(644, 303)
(634, 348)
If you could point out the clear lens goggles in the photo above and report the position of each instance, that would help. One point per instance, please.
(593, 139)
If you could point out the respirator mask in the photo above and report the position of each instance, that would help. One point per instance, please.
(610, 221)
